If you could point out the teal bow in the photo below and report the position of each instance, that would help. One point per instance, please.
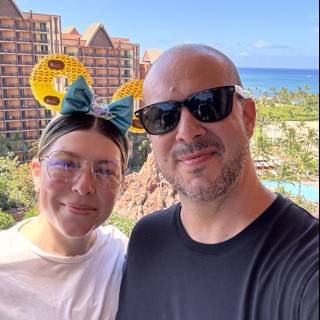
(80, 98)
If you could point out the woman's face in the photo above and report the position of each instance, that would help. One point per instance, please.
(74, 201)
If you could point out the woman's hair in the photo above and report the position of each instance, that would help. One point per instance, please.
(81, 121)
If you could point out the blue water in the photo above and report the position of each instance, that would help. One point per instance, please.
(292, 79)
(307, 191)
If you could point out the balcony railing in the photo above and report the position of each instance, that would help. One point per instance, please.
(24, 40)
(71, 53)
(42, 52)
(7, 50)
(25, 51)
(8, 62)
(8, 96)
(7, 38)
(12, 118)
(10, 85)
(10, 107)
(6, 26)
(41, 40)
(7, 74)
(27, 96)
(28, 106)
(40, 29)
(22, 27)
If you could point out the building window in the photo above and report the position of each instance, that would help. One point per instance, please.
(43, 26)
(43, 37)
(44, 49)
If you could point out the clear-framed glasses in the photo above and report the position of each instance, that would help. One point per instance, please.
(63, 166)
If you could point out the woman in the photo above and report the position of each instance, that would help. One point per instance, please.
(63, 264)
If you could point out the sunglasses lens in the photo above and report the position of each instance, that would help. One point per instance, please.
(160, 118)
(207, 106)
(212, 105)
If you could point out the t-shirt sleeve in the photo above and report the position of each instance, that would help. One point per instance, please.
(309, 305)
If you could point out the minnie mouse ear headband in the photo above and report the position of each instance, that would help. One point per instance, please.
(80, 98)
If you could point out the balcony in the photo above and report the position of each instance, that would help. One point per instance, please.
(42, 52)
(12, 96)
(9, 74)
(40, 29)
(7, 39)
(40, 41)
(6, 26)
(24, 51)
(12, 118)
(10, 85)
(28, 106)
(4, 50)
(74, 54)
(23, 28)
(26, 40)
(8, 62)
(8, 108)
(27, 96)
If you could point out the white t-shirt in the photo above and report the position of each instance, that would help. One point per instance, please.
(35, 285)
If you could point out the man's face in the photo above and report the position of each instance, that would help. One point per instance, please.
(201, 160)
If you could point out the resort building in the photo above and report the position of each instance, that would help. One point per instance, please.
(110, 61)
(25, 37)
(148, 59)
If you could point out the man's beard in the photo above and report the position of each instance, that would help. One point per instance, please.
(210, 190)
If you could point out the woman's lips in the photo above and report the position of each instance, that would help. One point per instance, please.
(79, 210)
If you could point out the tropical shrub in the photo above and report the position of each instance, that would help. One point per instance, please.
(6, 220)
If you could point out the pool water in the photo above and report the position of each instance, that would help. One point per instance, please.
(309, 192)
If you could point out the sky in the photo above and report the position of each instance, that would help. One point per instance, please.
(255, 33)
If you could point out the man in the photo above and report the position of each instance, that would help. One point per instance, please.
(232, 249)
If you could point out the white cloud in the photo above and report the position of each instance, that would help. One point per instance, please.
(242, 54)
(260, 44)
(316, 29)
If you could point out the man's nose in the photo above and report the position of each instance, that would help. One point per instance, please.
(84, 183)
(189, 127)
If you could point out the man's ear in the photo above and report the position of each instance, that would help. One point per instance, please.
(249, 116)
(35, 171)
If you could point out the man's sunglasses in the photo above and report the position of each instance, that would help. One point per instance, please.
(209, 105)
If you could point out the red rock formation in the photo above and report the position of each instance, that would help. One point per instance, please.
(145, 192)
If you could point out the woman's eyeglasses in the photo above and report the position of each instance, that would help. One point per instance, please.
(65, 167)
(209, 105)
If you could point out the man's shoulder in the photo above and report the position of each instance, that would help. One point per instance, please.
(157, 220)
(296, 218)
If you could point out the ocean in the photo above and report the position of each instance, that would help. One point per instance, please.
(260, 80)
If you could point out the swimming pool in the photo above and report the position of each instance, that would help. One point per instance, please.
(309, 192)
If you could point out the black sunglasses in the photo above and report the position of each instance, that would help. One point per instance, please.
(209, 105)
